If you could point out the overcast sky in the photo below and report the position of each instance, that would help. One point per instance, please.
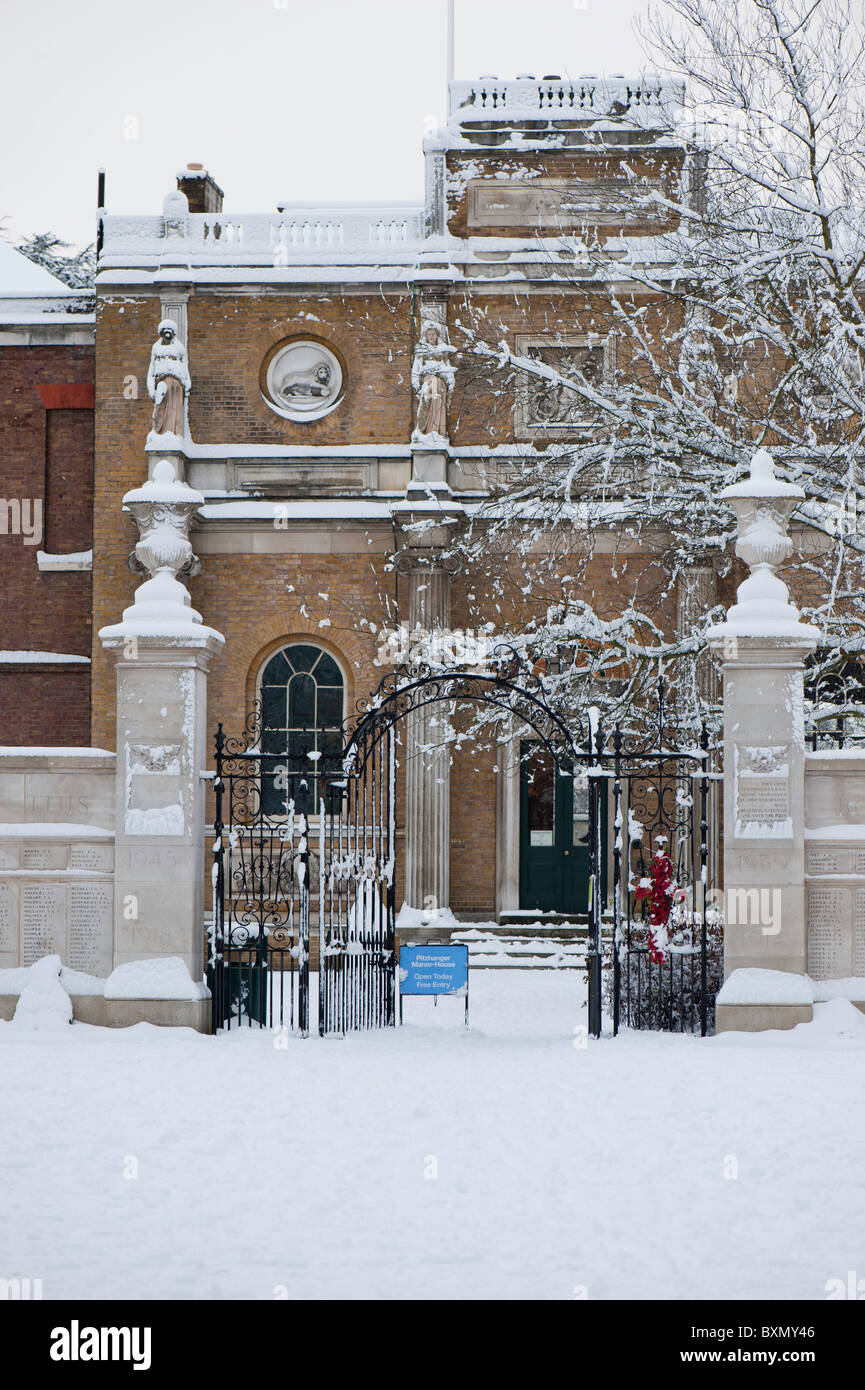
(280, 99)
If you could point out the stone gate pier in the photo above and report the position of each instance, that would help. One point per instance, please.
(102, 854)
(794, 821)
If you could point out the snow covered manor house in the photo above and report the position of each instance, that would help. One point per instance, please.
(292, 426)
(323, 408)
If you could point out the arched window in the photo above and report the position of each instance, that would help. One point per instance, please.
(302, 707)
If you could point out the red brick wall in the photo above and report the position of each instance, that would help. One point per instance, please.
(47, 457)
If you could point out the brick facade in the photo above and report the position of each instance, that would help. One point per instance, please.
(46, 442)
(358, 283)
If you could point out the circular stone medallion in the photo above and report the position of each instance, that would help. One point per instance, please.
(304, 381)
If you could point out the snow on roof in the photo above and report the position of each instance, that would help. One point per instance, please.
(262, 251)
(18, 275)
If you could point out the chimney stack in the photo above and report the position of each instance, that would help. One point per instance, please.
(202, 191)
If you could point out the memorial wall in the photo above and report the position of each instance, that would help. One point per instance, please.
(835, 863)
(57, 814)
(57, 857)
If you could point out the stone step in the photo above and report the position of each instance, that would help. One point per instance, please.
(502, 950)
(542, 922)
(536, 929)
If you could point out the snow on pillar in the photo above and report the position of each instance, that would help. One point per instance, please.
(162, 653)
(763, 646)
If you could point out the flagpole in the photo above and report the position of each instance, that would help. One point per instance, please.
(450, 52)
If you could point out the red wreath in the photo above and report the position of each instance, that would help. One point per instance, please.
(661, 888)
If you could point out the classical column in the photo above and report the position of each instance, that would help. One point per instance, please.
(508, 825)
(162, 653)
(426, 520)
(428, 758)
(763, 646)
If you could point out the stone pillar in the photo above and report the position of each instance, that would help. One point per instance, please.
(428, 759)
(435, 172)
(508, 826)
(162, 653)
(426, 521)
(763, 646)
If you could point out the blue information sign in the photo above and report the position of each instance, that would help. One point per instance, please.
(434, 970)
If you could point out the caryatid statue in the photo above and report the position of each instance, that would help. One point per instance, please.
(432, 377)
(168, 381)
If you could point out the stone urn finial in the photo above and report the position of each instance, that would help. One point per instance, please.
(763, 504)
(163, 509)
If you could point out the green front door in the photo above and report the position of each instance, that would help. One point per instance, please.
(554, 827)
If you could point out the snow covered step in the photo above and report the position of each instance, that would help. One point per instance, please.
(543, 924)
(498, 950)
(533, 928)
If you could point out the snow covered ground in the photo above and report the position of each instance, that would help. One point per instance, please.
(509, 1161)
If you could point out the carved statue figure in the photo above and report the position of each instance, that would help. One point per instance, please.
(168, 381)
(432, 376)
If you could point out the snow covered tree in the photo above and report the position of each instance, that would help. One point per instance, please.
(46, 249)
(740, 326)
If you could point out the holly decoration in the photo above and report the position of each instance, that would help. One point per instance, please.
(661, 889)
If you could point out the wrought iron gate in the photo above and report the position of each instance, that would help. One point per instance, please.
(259, 947)
(356, 907)
(655, 929)
(303, 867)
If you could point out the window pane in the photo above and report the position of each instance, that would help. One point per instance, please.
(272, 797)
(273, 741)
(327, 672)
(300, 741)
(277, 670)
(581, 814)
(540, 776)
(302, 658)
(273, 706)
(301, 701)
(329, 706)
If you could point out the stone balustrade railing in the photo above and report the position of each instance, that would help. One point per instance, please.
(595, 96)
(296, 229)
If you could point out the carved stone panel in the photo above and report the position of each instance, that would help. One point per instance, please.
(762, 792)
(830, 932)
(553, 204)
